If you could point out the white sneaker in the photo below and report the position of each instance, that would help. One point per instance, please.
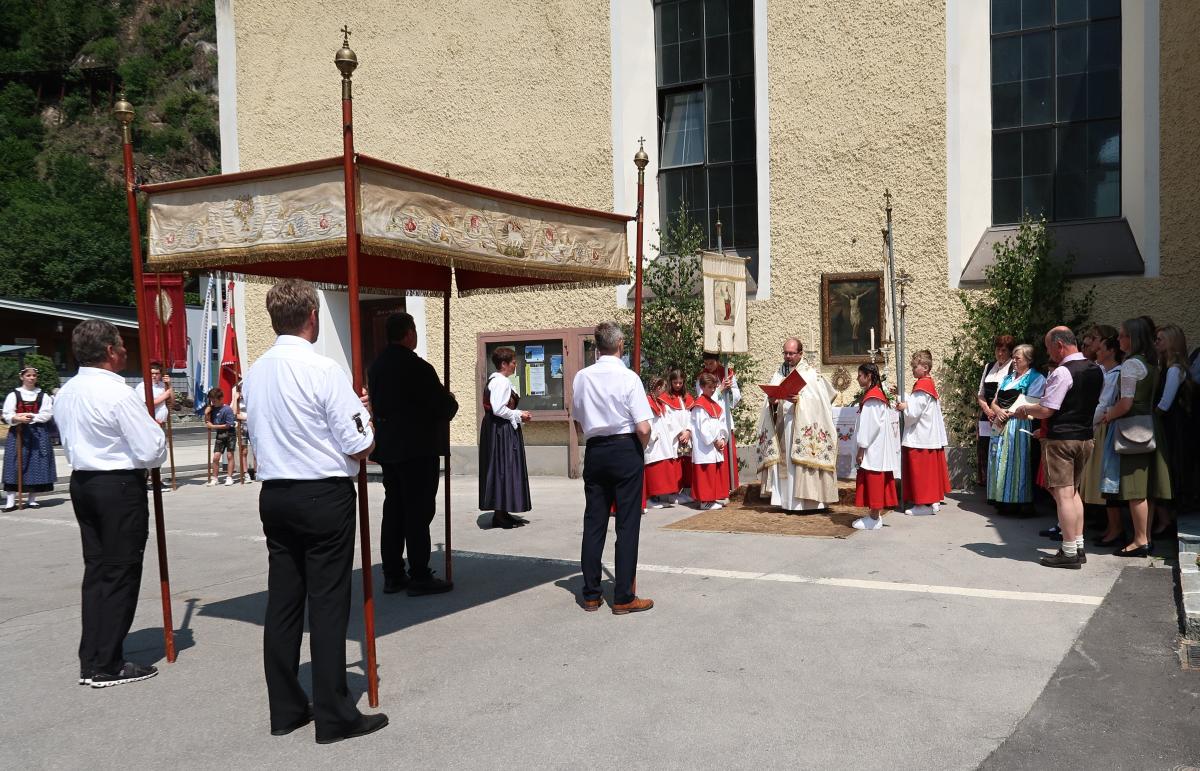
(33, 505)
(923, 510)
(228, 481)
(656, 503)
(911, 512)
(867, 523)
(936, 508)
(211, 483)
(712, 506)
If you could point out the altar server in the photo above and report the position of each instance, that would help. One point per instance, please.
(923, 454)
(878, 451)
(710, 437)
(679, 405)
(663, 479)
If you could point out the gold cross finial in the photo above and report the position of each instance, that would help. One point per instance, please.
(345, 30)
(887, 197)
(641, 142)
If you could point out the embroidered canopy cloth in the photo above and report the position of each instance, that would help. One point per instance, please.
(413, 227)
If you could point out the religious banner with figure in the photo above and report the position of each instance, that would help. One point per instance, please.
(167, 341)
(724, 303)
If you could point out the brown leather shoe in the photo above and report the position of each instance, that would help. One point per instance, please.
(591, 606)
(636, 605)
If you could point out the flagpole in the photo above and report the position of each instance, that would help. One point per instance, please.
(123, 111)
(347, 62)
(641, 160)
(730, 458)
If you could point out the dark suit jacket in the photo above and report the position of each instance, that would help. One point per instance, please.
(411, 408)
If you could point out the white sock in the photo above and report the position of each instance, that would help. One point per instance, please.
(1079, 543)
(12, 499)
(1069, 548)
(29, 498)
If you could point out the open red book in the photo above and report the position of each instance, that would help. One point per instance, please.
(791, 385)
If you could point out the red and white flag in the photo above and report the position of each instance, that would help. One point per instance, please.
(231, 364)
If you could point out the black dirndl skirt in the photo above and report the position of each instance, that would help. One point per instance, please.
(38, 473)
(503, 475)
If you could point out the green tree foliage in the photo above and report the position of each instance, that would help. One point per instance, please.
(62, 200)
(10, 372)
(673, 317)
(1027, 294)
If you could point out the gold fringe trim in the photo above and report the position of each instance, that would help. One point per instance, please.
(339, 287)
(212, 258)
(508, 267)
(535, 288)
(813, 464)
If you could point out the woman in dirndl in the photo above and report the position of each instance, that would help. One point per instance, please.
(27, 411)
(989, 384)
(1011, 470)
(503, 474)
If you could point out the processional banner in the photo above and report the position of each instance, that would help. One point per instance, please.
(167, 340)
(724, 303)
(293, 217)
(413, 217)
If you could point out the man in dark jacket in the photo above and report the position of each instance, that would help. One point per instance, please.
(412, 412)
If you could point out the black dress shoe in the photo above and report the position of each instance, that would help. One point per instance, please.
(395, 585)
(506, 521)
(1141, 551)
(304, 720)
(429, 585)
(1081, 555)
(367, 724)
(1061, 560)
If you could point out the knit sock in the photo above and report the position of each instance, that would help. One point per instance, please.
(12, 499)
(1079, 543)
(1069, 548)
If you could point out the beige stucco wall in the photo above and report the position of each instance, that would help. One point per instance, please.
(521, 100)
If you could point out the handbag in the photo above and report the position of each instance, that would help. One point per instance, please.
(1135, 435)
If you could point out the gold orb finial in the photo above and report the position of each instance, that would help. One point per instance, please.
(640, 159)
(123, 110)
(345, 58)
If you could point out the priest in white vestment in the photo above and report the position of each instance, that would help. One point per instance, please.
(797, 441)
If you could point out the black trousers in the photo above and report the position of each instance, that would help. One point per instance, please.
(309, 525)
(114, 522)
(409, 503)
(612, 473)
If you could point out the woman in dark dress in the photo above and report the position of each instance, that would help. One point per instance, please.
(1174, 409)
(989, 384)
(503, 474)
(27, 411)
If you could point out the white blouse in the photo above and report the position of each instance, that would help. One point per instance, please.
(1132, 372)
(1171, 388)
(499, 390)
(994, 373)
(1108, 394)
(43, 415)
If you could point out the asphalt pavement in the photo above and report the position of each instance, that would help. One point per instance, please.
(923, 645)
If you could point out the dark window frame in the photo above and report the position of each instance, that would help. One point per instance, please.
(679, 176)
(1055, 124)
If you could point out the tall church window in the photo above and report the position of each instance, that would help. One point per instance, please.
(1056, 109)
(706, 133)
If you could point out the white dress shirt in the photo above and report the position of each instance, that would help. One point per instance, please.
(499, 390)
(304, 419)
(608, 398)
(105, 426)
(43, 415)
(160, 411)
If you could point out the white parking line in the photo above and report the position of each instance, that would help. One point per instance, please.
(849, 583)
(737, 575)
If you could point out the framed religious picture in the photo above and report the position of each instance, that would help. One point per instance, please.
(851, 313)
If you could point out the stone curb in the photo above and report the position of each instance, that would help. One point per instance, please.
(1188, 526)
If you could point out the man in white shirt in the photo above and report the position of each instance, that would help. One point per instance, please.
(310, 431)
(109, 440)
(612, 414)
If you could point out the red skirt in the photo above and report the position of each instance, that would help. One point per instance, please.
(664, 477)
(685, 472)
(875, 489)
(710, 481)
(925, 474)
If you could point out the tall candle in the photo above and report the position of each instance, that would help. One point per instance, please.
(872, 338)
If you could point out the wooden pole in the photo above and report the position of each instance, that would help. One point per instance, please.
(20, 470)
(166, 368)
(208, 458)
(124, 113)
(346, 63)
(446, 374)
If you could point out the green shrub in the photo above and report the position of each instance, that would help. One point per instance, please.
(10, 378)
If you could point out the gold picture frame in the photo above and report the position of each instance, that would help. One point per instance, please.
(851, 305)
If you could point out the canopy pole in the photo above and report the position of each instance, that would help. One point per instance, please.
(123, 111)
(640, 159)
(446, 375)
(346, 62)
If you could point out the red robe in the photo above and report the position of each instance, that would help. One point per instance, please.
(710, 481)
(923, 469)
(685, 403)
(874, 489)
(661, 477)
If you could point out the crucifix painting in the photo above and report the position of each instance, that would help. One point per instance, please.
(851, 306)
